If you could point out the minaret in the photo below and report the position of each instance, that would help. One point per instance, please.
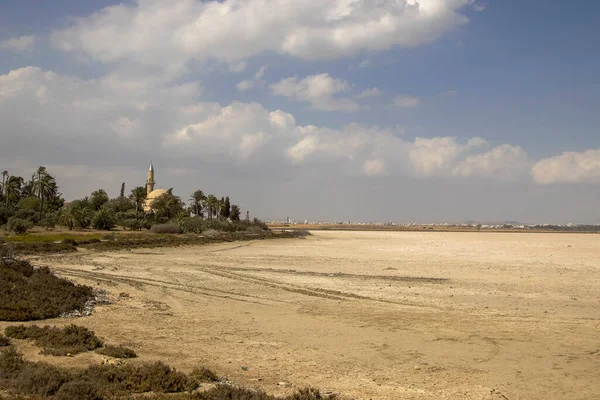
(150, 183)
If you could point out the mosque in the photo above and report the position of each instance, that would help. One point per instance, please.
(151, 193)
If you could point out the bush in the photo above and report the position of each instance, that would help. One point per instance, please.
(19, 226)
(192, 225)
(4, 341)
(71, 339)
(5, 215)
(116, 352)
(29, 294)
(204, 375)
(165, 228)
(28, 215)
(70, 242)
(109, 381)
(104, 220)
(132, 224)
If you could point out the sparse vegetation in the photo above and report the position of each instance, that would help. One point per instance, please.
(28, 293)
(116, 352)
(21, 377)
(71, 339)
(4, 341)
(166, 228)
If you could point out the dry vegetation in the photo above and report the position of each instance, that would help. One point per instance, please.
(28, 293)
(21, 377)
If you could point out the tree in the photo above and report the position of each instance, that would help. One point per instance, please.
(212, 203)
(226, 210)
(68, 218)
(167, 206)
(235, 213)
(12, 189)
(44, 186)
(98, 198)
(197, 198)
(122, 190)
(138, 195)
(104, 219)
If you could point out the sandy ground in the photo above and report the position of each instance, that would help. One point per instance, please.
(372, 315)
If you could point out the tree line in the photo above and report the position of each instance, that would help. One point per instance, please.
(38, 202)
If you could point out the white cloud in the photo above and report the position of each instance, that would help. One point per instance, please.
(237, 67)
(449, 93)
(374, 167)
(161, 33)
(504, 162)
(49, 109)
(437, 156)
(406, 101)
(480, 7)
(260, 73)
(245, 85)
(365, 94)
(20, 44)
(320, 91)
(569, 167)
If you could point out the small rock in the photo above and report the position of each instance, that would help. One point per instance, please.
(282, 383)
(244, 368)
(417, 368)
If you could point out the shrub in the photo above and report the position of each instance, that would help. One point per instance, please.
(132, 224)
(71, 339)
(29, 294)
(104, 220)
(4, 341)
(70, 242)
(204, 375)
(5, 215)
(192, 225)
(29, 215)
(18, 225)
(116, 352)
(80, 390)
(165, 228)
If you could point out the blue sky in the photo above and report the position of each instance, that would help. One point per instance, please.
(464, 94)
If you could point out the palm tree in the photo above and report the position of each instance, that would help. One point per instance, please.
(44, 186)
(197, 198)
(12, 188)
(68, 218)
(138, 195)
(212, 203)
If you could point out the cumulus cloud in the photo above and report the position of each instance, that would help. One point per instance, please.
(244, 85)
(159, 33)
(64, 119)
(406, 101)
(504, 162)
(367, 93)
(569, 167)
(18, 44)
(320, 91)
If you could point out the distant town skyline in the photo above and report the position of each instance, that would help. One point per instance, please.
(436, 110)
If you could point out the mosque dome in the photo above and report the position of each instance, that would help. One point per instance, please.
(153, 195)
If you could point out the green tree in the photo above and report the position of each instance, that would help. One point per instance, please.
(44, 186)
(167, 206)
(122, 190)
(197, 198)
(98, 198)
(235, 213)
(29, 203)
(138, 195)
(104, 219)
(226, 210)
(212, 204)
(12, 189)
(68, 218)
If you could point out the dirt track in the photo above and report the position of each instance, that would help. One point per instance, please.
(381, 315)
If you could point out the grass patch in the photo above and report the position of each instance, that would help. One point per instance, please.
(28, 293)
(71, 339)
(57, 237)
(116, 352)
(25, 378)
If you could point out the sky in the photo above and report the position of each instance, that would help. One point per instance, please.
(360, 110)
